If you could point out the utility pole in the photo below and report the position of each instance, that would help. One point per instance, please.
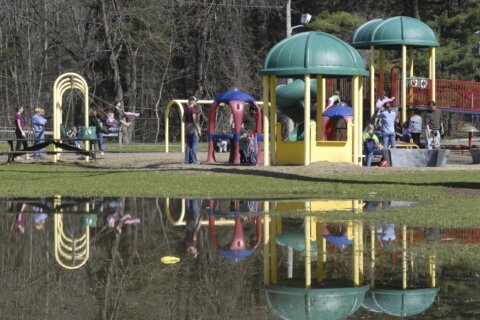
(288, 17)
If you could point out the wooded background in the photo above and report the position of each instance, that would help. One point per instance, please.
(150, 51)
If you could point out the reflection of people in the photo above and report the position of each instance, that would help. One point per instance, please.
(386, 232)
(21, 218)
(192, 131)
(38, 126)
(192, 227)
(116, 219)
(433, 126)
(119, 221)
(39, 218)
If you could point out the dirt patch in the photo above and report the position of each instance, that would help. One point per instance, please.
(462, 192)
(174, 161)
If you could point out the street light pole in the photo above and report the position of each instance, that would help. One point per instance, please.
(288, 17)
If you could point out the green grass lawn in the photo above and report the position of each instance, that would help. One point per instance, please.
(448, 198)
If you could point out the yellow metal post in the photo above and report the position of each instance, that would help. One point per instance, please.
(178, 103)
(430, 55)
(372, 256)
(306, 121)
(266, 125)
(308, 254)
(410, 72)
(433, 78)
(381, 86)
(273, 118)
(404, 83)
(320, 274)
(432, 270)
(360, 120)
(320, 106)
(404, 257)
(273, 251)
(360, 252)
(266, 249)
(372, 81)
(356, 122)
(356, 264)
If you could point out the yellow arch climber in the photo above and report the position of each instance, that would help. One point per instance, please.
(65, 82)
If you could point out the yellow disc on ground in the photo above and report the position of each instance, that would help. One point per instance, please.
(169, 260)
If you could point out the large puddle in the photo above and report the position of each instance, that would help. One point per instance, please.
(157, 258)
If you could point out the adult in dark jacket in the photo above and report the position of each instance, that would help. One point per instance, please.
(95, 121)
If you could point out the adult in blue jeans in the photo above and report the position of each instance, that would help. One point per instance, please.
(388, 118)
(96, 122)
(192, 131)
(38, 125)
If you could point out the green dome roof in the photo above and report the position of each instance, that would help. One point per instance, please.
(393, 32)
(300, 303)
(313, 53)
(401, 303)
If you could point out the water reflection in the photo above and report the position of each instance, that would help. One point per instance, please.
(99, 258)
(336, 289)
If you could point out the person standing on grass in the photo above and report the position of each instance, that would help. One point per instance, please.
(388, 118)
(20, 133)
(38, 125)
(192, 131)
(433, 126)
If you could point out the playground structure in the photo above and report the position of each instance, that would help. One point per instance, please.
(391, 34)
(237, 100)
(322, 63)
(305, 55)
(178, 103)
(65, 82)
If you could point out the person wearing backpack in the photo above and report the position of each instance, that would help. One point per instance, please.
(370, 142)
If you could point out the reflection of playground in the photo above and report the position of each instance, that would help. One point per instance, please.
(244, 215)
(337, 250)
(71, 253)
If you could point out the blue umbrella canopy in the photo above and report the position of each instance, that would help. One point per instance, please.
(234, 95)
